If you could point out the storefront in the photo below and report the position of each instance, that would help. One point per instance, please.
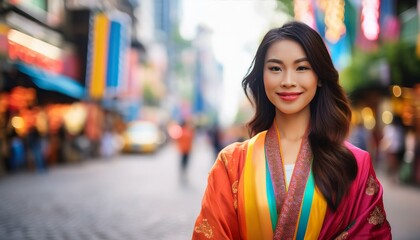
(39, 76)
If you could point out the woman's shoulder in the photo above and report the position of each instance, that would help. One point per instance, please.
(234, 154)
(234, 149)
(362, 157)
(240, 146)
(357, 152)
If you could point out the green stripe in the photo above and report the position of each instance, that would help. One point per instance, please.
(270, 197)
(306, 207)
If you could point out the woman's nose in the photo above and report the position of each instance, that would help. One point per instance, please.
(287, 80)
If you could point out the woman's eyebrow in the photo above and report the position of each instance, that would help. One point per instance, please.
(275, 60)
(304, 59)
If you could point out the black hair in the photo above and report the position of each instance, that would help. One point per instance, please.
(334, 166)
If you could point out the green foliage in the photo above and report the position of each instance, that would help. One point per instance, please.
(149, 96)
(285, 6)
(179, 45)
(364, 69)
(355, 75)
(178, 40)
(404, 63)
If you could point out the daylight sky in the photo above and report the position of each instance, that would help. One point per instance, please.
(237, 26)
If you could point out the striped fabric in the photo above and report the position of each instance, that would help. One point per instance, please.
(257, 199)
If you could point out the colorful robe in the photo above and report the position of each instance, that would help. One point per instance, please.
(247, 197)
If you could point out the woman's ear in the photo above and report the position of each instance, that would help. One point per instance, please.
(319, 84)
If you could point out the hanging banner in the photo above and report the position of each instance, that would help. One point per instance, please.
(98, 56)
(117, 52)
(108, 46)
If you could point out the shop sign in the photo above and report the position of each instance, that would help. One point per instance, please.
(49, 12)
(34, 51)
(29, 27)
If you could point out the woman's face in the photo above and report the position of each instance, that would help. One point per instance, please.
(289, 80)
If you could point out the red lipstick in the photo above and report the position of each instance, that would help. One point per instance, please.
(289, 96)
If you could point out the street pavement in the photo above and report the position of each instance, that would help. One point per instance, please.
(127, 197)
(402, 205)
(137, 197)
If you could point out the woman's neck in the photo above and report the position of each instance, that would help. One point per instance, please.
(292, 127)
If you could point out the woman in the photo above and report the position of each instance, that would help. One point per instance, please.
(297, 177)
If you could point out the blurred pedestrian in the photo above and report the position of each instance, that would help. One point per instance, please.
(184, 143)
(393, 146)
(4, 143)
(407, 165)
(359, 136)
(416, 159)
(215, 136)
(17, 152)
(94, 128)
(297, 177)
(35, 149)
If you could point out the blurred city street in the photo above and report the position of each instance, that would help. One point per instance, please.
(94, 94)
(137, 197)
(403, 211)
(129, 197)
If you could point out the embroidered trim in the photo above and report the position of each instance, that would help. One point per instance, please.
(288, 203)
(376, 216)
(342, 236)
(235, 194)
(204, 228)
(224, 160)
(272, 151)
(235, 187)
(372, 186)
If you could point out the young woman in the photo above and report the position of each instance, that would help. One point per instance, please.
(297, 177)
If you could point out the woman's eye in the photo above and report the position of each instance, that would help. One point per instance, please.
(302, 68)
(275, 69)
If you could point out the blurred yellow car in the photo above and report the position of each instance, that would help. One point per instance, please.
(143, 137)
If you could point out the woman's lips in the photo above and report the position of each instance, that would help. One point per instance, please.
(289, 96)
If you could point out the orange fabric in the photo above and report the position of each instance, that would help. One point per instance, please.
(361, 214)
(185, 140)
(218, 217)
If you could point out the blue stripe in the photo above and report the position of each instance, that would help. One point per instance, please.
(270, 197)
(114, 50)
(306, 207)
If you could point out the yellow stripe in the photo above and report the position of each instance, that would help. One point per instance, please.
(261, 188)
(316, 217)
(257, 214)
(99, 56)
(249, 190)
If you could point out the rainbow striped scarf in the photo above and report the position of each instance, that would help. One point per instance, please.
(267, 208)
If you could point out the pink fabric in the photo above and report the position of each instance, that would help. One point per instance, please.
(361, 213)
(363, 206)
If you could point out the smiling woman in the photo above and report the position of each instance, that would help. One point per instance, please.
(289, 80)
(297, 177)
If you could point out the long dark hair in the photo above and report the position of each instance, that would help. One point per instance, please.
(334, 166)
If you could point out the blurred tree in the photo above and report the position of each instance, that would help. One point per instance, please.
(149, 95)
(285, 6)
(365, 69)
(180, 45)
(354, 76)
(404, 64)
